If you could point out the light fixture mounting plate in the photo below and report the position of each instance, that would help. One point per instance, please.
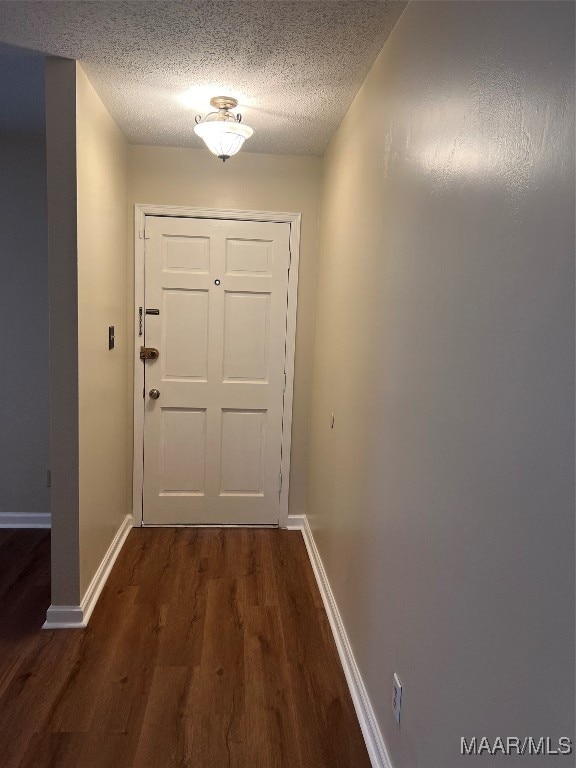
(224, 102)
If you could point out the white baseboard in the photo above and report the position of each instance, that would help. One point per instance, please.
(25, 520)
(64, 617)
(375, 744)
(78, 616)
(295, 522)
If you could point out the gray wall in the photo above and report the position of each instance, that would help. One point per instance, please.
(24, 384)
(63, 291)
(442, 502)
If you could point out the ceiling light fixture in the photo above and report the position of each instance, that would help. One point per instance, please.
(222, 131)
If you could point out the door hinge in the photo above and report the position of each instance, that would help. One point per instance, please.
(140, 329)
(280, 483)
(142, 235)
(285, 377)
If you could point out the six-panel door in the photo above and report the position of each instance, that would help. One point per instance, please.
(212, 440)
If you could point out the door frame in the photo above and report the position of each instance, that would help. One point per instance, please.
(141, 210)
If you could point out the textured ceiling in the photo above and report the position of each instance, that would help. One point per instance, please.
(294, 66)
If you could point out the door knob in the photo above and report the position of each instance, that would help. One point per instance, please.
(154, 394)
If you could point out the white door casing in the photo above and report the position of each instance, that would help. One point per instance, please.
(217, 439)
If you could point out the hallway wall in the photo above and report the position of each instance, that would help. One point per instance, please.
(104, 406)
(89, 403)
(442, 502)
(248, 181)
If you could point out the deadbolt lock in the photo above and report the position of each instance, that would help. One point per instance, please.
(148, 353)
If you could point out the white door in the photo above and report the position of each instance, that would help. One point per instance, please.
(213, 437)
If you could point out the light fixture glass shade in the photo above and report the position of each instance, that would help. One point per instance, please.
(223, 137)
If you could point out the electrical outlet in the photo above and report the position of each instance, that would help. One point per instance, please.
(396, 697)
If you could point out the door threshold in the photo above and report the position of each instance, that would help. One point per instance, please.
(209, 525)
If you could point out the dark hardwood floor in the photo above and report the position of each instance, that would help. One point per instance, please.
(209, 648)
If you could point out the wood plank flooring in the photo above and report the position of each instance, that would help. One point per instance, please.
(209, 648)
